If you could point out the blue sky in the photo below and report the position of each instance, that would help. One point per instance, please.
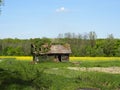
(47, 18)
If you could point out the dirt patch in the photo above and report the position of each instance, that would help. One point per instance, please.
(113, 70)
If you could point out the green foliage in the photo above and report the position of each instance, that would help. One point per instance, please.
(109, 46)
(14, 47)
(10, 51)
(81, 45)
(20, 75)
(39, 42)
(89, 45)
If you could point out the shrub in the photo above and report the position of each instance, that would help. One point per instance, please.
(21, 75)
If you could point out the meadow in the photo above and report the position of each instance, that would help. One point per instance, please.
(17, 73)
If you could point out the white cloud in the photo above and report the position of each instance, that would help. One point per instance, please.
(61, 9)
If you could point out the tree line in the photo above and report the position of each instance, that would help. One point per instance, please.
(81, 45)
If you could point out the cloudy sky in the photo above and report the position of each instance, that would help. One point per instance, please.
(47, 18)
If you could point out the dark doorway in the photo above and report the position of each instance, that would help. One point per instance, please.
(59, 58)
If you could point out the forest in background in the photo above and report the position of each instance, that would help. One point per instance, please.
(81, 45)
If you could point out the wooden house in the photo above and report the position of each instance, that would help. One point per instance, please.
(59, 52)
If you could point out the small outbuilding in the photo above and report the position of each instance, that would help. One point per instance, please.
(59, 52)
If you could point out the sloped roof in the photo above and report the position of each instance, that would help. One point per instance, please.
(59, 49)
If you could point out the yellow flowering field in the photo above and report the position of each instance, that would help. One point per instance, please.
(71, 58)
(18, 57)
(94, 58)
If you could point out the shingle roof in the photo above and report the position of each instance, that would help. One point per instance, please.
(59, 49)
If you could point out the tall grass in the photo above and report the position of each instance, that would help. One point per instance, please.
(18, 75)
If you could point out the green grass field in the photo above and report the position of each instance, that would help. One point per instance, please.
(22, 75)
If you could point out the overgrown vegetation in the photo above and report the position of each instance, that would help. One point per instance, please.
(22, 75)
(17, 75)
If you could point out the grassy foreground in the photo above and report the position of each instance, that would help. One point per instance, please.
(21, 75)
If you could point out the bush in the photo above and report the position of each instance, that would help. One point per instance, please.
(21, 75)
